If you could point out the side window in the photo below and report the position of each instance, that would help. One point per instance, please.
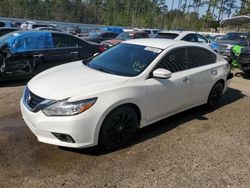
(113, 35)
(202, 39)
(105, 36)
(190, 38)
(175, 60)
(64, 41)
(199, 57)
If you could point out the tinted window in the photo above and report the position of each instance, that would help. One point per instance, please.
(62, 41)
(2, 24)
(199, 57)
(190, 38)
(105, 35)
(113, 35)
(176, 60)
(5, 31)
(125, 59)
(166, 35)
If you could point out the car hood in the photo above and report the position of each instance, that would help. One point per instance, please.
(73, 79)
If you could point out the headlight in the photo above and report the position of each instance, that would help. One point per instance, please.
(65, 108)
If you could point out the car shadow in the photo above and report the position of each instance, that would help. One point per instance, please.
(13, 83)
(159, 128)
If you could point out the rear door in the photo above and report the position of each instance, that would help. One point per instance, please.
(64, 51)
(204, 72)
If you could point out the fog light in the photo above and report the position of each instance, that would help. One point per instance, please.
(64, 137)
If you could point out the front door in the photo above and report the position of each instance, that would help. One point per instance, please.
(167, 96)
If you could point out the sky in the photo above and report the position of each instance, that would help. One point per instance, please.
(202, 9)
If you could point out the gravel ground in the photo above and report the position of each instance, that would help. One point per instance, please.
(197, 148)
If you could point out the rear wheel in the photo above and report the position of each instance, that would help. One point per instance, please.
(215, 95)
(118, 128)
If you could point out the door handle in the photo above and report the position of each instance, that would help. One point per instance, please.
(214, 72)
(74, 52)
(187, 80)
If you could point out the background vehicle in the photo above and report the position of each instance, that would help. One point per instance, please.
(6, 30)
(32, 25)
(25, 53)
(6, 23)
(229, 40)
(243, 59)
(129, 86)
(48, 29)
(151, 32)
(125, 36)
(99, 36)
(188, 36)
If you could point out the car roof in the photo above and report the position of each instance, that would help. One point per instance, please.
(159, 43)
(38, 31)
(178, 32)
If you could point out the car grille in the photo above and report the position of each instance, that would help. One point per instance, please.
(31, 99)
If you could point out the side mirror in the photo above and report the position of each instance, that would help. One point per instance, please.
(96, 54)
(162, 73)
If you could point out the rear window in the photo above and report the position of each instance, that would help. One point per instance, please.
(166, 35)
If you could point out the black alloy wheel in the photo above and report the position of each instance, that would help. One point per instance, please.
(215, 95)
(118, 128)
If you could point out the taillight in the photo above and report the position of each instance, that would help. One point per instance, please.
(101, 48)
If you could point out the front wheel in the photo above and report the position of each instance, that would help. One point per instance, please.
(215, 95)
(118, 128)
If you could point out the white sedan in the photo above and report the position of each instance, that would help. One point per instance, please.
(105, 99)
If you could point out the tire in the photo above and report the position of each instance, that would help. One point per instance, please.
(118, 128)
(215, 95)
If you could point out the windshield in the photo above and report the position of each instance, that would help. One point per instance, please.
(125, 36)
(125, 59)
(233, 36)
(166, 35)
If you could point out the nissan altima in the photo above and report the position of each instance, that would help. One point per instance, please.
(105, 99)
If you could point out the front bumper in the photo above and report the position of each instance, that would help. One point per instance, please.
(81, 127)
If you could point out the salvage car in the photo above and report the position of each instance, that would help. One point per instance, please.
(125, 36)
(25, 53)
(105, 99)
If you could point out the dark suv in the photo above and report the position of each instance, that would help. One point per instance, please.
(229, 40)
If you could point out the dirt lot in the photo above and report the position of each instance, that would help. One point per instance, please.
(197, 148)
